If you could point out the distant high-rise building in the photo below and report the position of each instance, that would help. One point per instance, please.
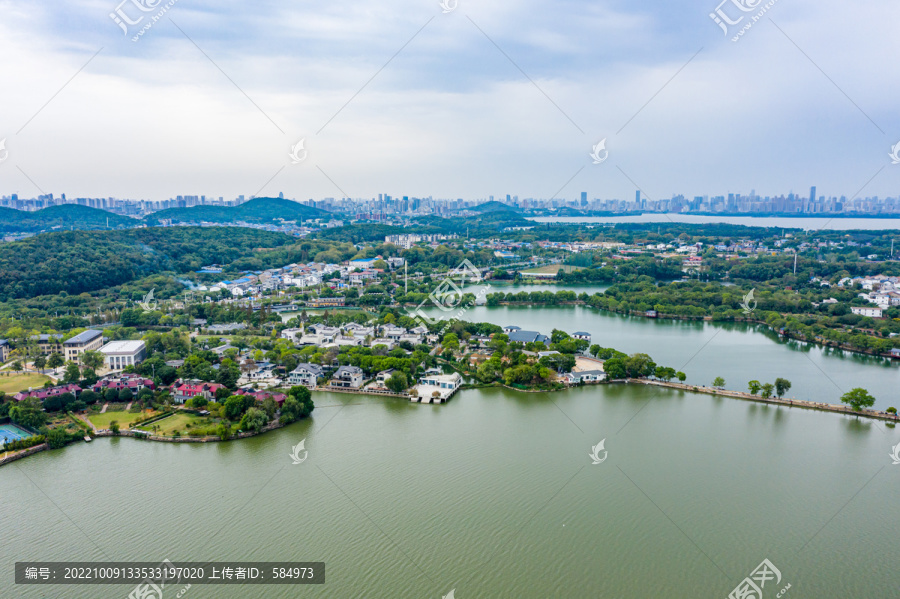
(812, 193)
(637, 196)
(584, 198)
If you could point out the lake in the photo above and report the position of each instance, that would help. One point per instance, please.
(491, 495)
(800, 222)
(738, 352)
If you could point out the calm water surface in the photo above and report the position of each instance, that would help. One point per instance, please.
(738, 352)
(837, 224)
(492, 495)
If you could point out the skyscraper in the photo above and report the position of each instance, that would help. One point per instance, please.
(812, 193)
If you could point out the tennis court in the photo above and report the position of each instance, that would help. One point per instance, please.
(11, 432)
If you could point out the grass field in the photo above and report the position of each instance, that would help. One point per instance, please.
(552, 269)
(175, 422)
(123, 418)
(20, 382)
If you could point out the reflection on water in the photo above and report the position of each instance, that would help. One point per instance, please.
(737, 351)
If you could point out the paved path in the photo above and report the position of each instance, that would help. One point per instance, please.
(106, 405)
(128, 407)
(85, 419)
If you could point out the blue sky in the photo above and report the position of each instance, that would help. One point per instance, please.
(487, 99)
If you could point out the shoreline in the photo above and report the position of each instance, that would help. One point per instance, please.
(791, 403)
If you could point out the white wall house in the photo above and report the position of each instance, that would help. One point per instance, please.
(119, 354)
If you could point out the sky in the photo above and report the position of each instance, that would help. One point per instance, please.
(464, 100)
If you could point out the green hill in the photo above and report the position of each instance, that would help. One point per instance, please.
(257, 211)
(67, 216)
(86, 261)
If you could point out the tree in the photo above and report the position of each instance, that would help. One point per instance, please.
(111, 396)
(299, 404)
(767, 390)
(92, 359)
(125, 395)
(89, 397)
(665, 373)
(72, 373)
(57, 437)
(254, 419)
(398, 382)
(782, 386)
(114, 427)
(892, 410)
(228, 374)
(754, 387)
(17, 365)
(40, 362)
(269, 406)
(55, 361)
(236, 405)
(28, 413)
(718, 382)
(858, 399)
(681, 376)
(451, 342)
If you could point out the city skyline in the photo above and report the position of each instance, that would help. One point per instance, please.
(386, 206)
(217, 96)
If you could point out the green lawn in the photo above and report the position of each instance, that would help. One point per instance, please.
(176, 422)
(21, 382)
(102, 421)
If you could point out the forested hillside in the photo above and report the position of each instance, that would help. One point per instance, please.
(84, 261)
(258, 211)
(63, 217)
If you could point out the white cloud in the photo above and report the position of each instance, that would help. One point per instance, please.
(450, 116)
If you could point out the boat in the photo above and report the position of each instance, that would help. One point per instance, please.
(87, 438)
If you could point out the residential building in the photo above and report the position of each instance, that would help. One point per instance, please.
(325, 302)
(436, 388)
(306, 375)
(262, 396)
(292, 334)
(582, 336)
(4, 350)
(89, 340)
(182, 391)
(119, 354)
(585, 376)
(49, 344)
(43, 393)
(521, 336)
(133, 382)
(348, 377)
(867, 311)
